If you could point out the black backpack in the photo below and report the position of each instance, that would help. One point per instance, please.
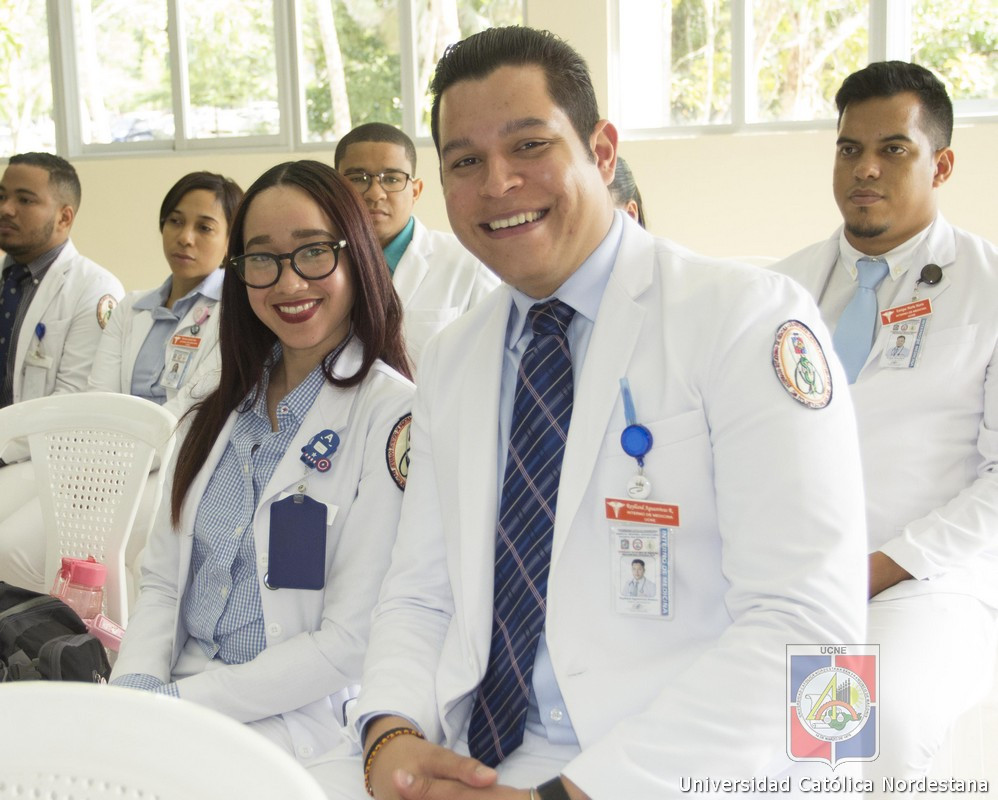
(41, 638)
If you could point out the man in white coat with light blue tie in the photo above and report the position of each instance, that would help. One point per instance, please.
(927, 417)
(436, 278)
(749, 558)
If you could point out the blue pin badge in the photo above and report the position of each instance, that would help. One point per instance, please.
(318, 451)
(636, 440)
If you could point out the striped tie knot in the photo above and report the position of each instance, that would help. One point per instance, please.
(551, 318)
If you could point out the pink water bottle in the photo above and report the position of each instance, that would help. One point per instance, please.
(80, 585)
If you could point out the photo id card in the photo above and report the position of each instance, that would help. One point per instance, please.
(297, 557)
(180, 355)
(641, 571)
(904, 343)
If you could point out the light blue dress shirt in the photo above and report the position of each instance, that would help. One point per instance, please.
(150, 360)
(583, 291)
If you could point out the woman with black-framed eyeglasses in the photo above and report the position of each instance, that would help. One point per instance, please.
(258, 583)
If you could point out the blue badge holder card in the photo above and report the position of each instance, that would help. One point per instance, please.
(297, 558)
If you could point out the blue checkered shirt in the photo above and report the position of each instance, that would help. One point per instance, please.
(222, 608)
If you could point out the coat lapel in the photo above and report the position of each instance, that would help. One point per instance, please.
(614, 339)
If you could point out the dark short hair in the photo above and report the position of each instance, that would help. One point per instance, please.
(638, 561)
(890, 78)
(568, 81)
(226, 191)
(62, 175)
(245, 343)
(376, 132)
(624, 188)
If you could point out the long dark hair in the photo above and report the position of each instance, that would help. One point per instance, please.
(246, 343)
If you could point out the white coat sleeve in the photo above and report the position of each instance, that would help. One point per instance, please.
(791, 520)
(416, 604)
(105, 373)
(967, 525)
(84, 334)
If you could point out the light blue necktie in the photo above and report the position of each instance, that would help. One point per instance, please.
(542, 410)
(857, 326)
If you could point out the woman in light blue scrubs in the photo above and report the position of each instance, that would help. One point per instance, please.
(158, 341)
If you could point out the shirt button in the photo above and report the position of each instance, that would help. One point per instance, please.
(556, 715)
(246, 469)
(238, 531)
(305, 751)
(224, 592)
(274, 629)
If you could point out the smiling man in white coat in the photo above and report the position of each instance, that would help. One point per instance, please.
(436, 278)
(502, 662)
(55, 302)
(924, 369)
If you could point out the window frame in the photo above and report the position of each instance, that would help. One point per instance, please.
(889, 33)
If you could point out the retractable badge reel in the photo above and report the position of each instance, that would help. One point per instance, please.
(636, 440)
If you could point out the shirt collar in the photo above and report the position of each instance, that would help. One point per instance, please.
(898, 260)
(396, 247)
(584, 288)
(210, 288)
(298, 401)
(40, 265)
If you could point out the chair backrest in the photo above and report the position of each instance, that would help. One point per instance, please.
(92, 454)
(91, 742)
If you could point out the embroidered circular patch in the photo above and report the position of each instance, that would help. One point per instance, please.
(397, 451)
(104, 308)
(800, 365)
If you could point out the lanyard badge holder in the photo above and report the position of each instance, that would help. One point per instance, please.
(636, 440)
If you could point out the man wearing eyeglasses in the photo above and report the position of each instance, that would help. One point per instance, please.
(436, 278)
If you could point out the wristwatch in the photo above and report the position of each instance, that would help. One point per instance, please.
(553, 789)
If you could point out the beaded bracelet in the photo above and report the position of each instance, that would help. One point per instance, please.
(380, 742)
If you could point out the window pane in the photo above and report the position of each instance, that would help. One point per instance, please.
(123, 63)
(802, 52)
(961, 47)
(440, 23)
(26, 91)
(231, 68)
(675, 62)
(349, 68)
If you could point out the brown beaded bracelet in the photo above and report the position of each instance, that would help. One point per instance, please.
(380, 742)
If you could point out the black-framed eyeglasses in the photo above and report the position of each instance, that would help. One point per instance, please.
(311, 261)
(391, 180)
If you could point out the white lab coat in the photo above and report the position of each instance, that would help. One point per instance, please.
(929, 435)
(770, 548)
(437, 280)
(929, 444)
(66, 303)
(119, 346)
(315, 639)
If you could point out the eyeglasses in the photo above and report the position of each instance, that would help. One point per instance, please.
(311, 261)
(391, 180)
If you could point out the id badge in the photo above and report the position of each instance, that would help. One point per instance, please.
(641, 571)
(904, 327)
(297, 558)
(181, 353)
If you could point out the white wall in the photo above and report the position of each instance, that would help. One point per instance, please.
(725, 195)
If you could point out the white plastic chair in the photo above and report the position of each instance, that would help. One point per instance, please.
(83, 741)
(92, 454)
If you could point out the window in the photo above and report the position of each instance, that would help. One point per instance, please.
(26, 94)
(188, 74)
(734, 63)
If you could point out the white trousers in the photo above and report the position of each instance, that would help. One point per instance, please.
(937, 659)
